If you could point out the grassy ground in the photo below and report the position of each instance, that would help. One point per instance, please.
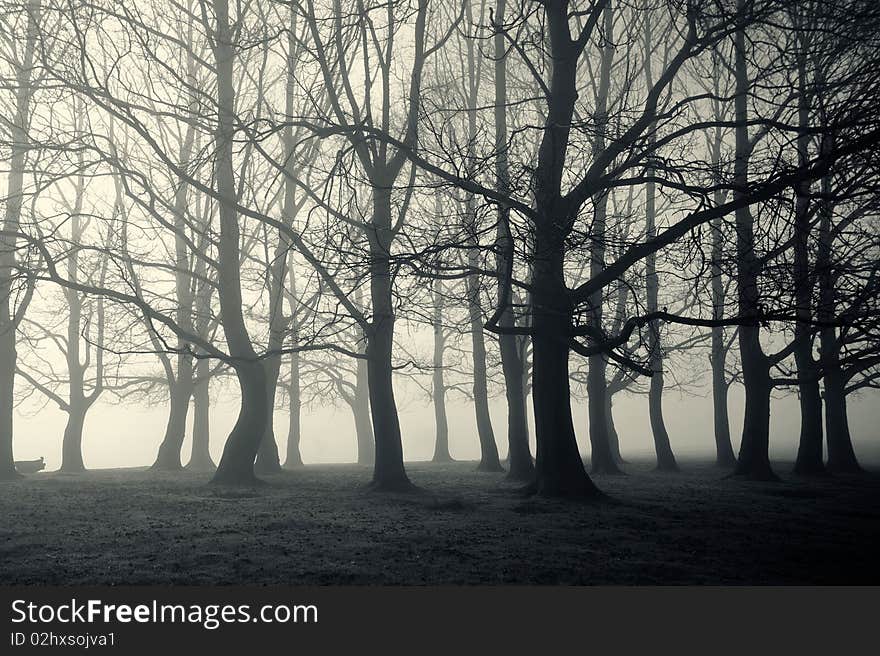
(318, 526)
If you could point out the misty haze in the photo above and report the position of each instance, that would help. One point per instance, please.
(439, 291)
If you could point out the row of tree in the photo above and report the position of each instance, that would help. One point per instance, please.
(288, 195)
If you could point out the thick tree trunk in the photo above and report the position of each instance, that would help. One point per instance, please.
(168, 457)
(809, 455)
(268, 461)
(71, 445)
(559, 468)
(841, 455)
(602, 460)
(389, 473)
(754, 458)
(438, 382)
(200, 457)
(237, 463)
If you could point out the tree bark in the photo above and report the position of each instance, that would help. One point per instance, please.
(613, 437)
(294, 428)
(662, 447)
(809, 454)
(841, 455)
(489, 461)
(200, 458)
(71, 445)
(168, 457)
(268, 460)
(389, 473)
(754, 458)
(11, 225)
(602, 459)
(519, 457)
(559, 469)
(438, 382)
(724, 456)
(366, 443)
(237, 463)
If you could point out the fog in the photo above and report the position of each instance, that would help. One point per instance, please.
(128, 435)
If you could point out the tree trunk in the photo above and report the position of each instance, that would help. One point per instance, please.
(489, 461)
(724, 456)
(168, 457)
(559, 469)
(662, 447)
(602, 459)
(268, 461)
(520, 465)
(71, 445)
(11, 224)
(519, 457)
(294, 428)
(665, 457)
(237, 463)
(438, 383)
(841, 455)
(809, 455)
(366, 444)
(613, 437)
(7, 401)
(200, 458)
(389, 473)
(754, 458)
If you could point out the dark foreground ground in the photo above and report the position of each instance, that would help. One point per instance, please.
(318, 526)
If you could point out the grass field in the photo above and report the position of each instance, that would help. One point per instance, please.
(319, 526)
